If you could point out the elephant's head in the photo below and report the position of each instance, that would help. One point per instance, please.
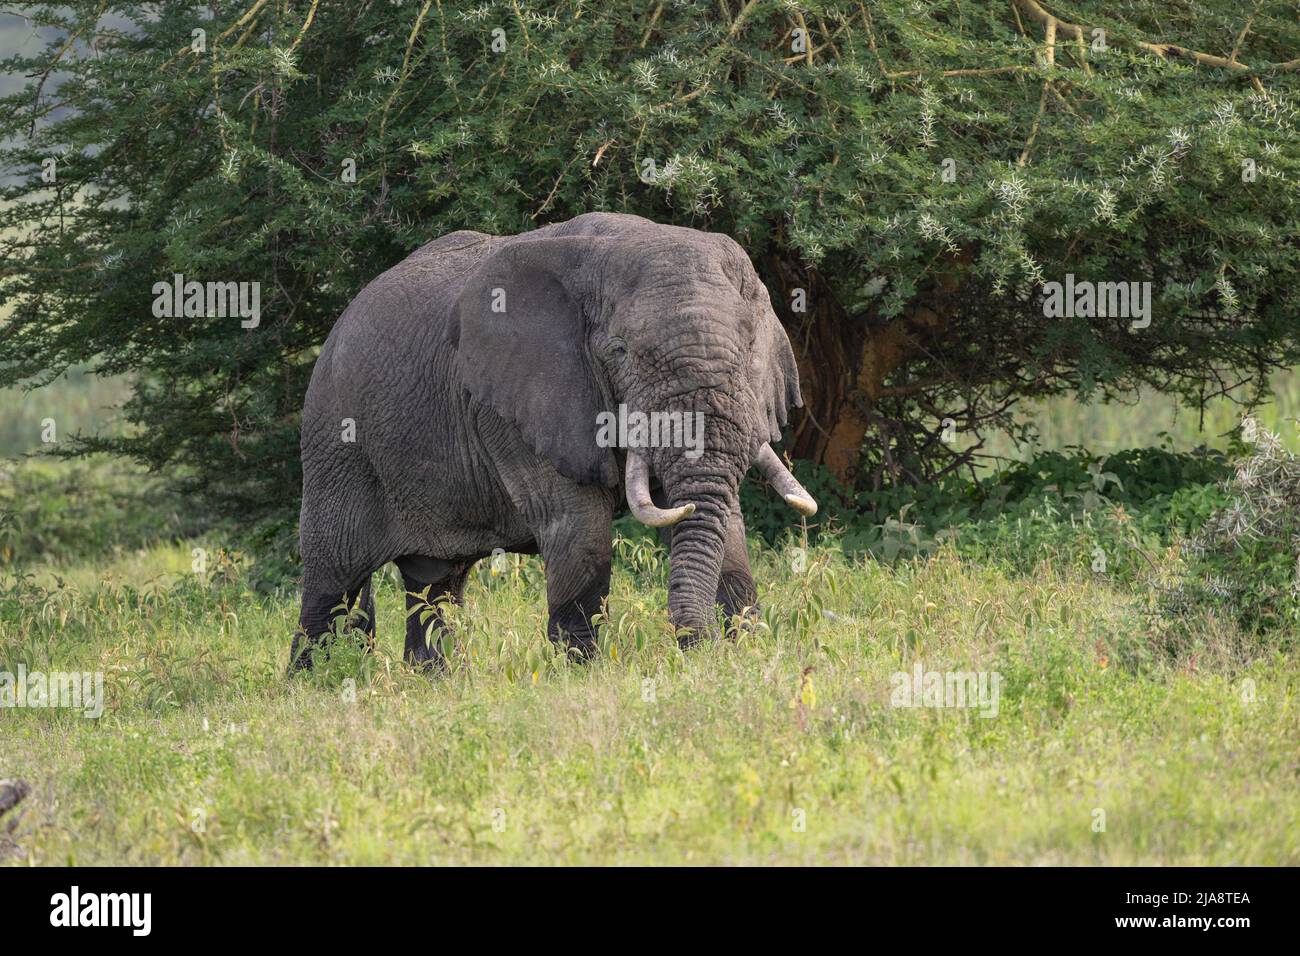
(633, 317)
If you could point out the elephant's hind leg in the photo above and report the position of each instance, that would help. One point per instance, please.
(430, 584)
(316, 622)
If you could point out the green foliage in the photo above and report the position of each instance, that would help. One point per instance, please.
(1245, 558)
(1150, 419)
(77, 402)
(229, 165)
(1061, 506)
(51, 511)
(1137, 477)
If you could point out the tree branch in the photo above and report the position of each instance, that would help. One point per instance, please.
(1035, 11)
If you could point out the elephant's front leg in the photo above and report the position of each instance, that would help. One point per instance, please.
(317, 622)
(575, 542)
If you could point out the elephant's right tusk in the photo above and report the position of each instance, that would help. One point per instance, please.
(786, 485)
(637, 486)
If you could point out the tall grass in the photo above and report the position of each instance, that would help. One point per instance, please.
(1118, 738)
(779, 747)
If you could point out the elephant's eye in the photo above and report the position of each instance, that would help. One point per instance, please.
(619, 350)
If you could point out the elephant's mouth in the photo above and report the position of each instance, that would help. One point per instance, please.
(636, 485)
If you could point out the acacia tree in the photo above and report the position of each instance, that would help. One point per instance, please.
(907, 177)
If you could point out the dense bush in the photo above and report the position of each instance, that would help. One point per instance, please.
(53, 511)
(1057, 502)
(1193, 531)
(921, 170)
(1246, 557)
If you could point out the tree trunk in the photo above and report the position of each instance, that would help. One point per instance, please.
(844, 360)
(826, 342)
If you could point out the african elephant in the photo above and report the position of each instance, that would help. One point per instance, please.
(454, 411)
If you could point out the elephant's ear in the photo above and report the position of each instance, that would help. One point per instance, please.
(520, 336)
(776, 376)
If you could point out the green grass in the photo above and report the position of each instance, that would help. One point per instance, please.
(77, 402)
(648, 754)
(1150, 419)
(1184, 734)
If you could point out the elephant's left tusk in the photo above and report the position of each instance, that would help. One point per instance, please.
(786, 485)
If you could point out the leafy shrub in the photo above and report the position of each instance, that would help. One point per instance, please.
(278, 564)
(1244, 559)
(1093, 512)
(1139, 476)
(58, 511)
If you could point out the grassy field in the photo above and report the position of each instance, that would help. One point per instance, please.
(1117, 737)
(1152, 419)
(76, 402)
(734, 753)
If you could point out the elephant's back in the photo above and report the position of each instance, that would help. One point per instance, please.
(400, 319)
(415, 296)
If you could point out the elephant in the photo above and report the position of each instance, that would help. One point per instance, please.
(453, 413)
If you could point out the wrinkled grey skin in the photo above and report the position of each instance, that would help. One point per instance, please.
(476, 430)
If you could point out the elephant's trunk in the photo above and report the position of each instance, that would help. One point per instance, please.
(709, 487)
(698, 533)
(695, 569)
(695, 560)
